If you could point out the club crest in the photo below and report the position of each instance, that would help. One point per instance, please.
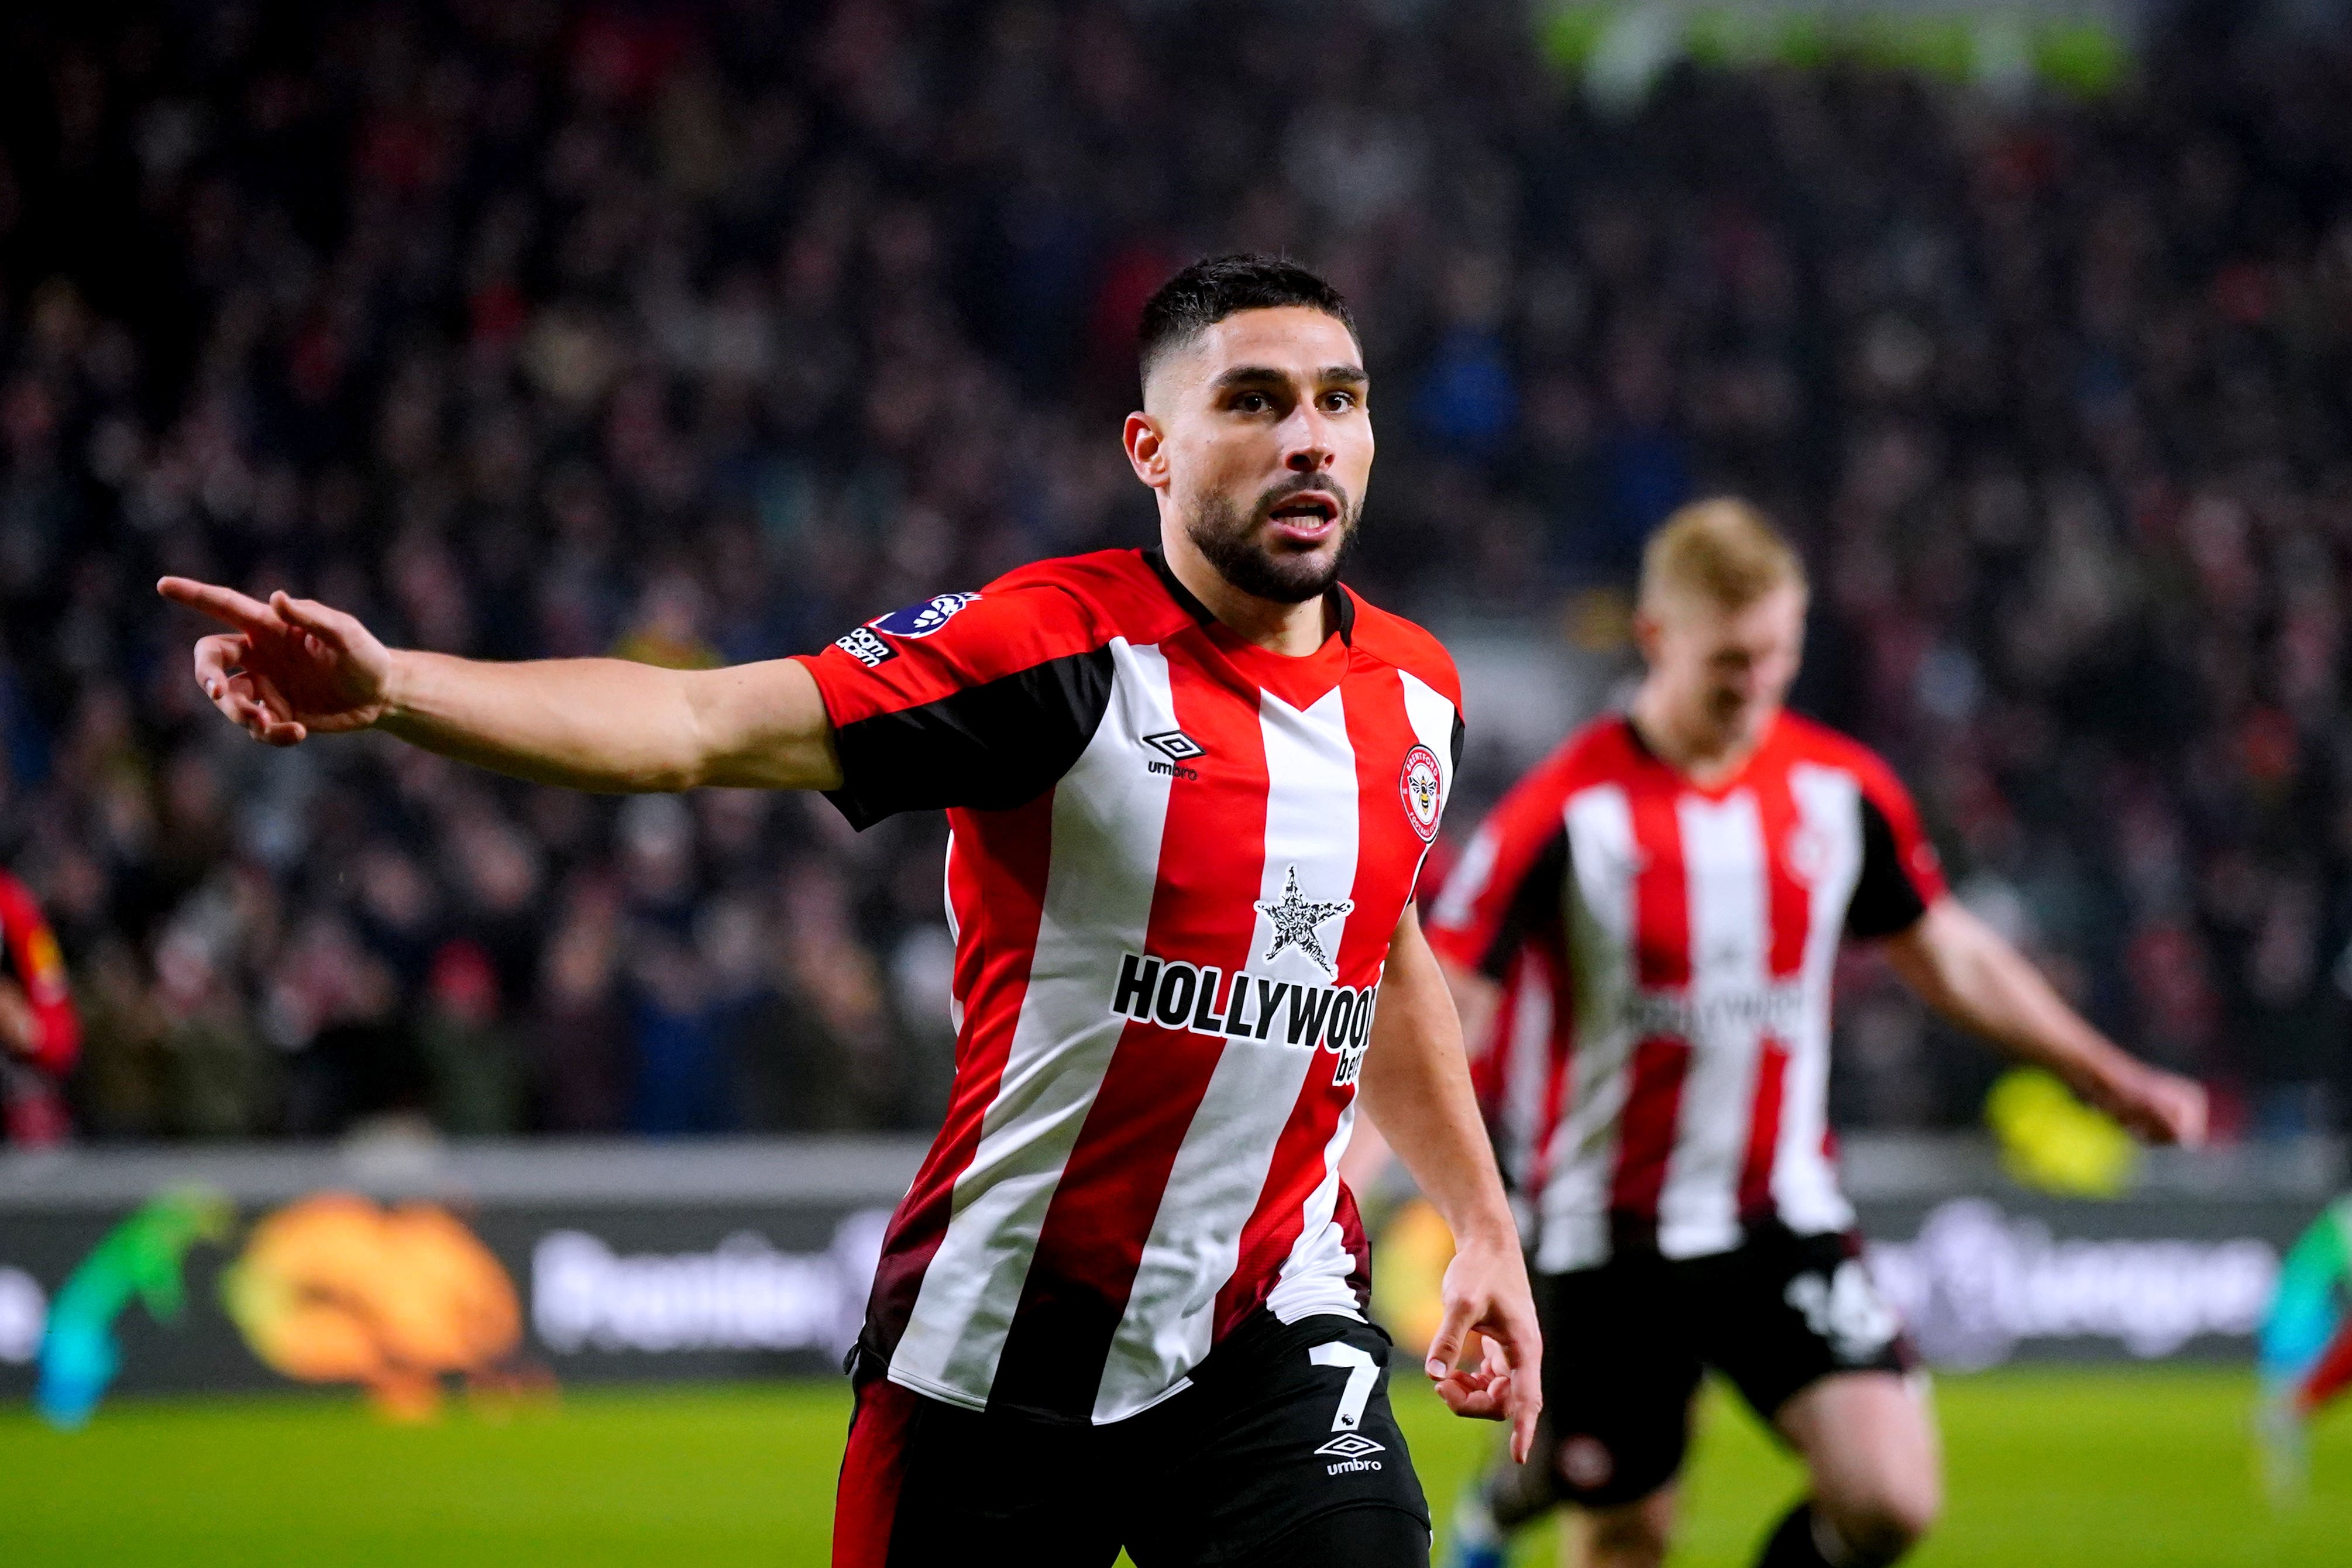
(1421, 785)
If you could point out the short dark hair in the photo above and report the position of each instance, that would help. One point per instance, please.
(1219, 286)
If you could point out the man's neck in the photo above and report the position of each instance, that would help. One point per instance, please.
(1294, 630)
(1695, 749)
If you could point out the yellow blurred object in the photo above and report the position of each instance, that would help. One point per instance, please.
(335, 1290)
(661, 648)
(2051, 1141)
(1408, 1274)
(1600, 620)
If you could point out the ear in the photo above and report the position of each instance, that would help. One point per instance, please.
(1647, 634)
(1147, 453)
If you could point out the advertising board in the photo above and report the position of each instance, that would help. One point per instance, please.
(493, 1273)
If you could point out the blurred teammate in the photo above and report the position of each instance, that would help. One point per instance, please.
(1645, 931)
(2305, 1346)
(39, 1033)
(1189, 792)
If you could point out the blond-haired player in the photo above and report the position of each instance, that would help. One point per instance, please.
(1642, 934)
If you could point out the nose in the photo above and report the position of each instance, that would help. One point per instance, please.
(1306, 443)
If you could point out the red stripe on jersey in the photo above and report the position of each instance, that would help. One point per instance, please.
(1490, 1058)
(1091, 1241)
(1009, 853)
(1654, 1106)
(1654, 1096)
(1661, 889)
(1378, 730)
(1787, 845)
(1763, 1129)
(873, 1470)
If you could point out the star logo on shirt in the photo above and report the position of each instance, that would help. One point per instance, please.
(1294, 920)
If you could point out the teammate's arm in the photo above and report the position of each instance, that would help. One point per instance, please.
(1965, 970)
(292, 668)
(20, 1026)
(1416, 1085)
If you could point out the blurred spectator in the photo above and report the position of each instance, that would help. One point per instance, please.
(700, 333)
(468, 1059)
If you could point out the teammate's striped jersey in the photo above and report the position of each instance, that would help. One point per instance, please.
(1175, 863)
(1658, 1070)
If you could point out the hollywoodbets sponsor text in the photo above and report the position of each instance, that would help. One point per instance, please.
(1201, 998)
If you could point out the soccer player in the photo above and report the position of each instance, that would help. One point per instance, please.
(1190, 790)
(2306, 1347)
(1643, 930)
(40, 1034)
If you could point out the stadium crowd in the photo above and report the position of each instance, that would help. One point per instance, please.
(702, 333)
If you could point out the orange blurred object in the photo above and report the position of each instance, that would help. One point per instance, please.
(336, 1289)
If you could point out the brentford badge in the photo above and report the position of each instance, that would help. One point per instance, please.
(1420, 783)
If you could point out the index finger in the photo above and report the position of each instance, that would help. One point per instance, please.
(2195, 1109)
(221, 603)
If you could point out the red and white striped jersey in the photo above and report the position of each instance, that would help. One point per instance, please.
(1658, 1070)
(1175, 863)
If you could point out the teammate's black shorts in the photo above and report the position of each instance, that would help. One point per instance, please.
(1281, 1452)
(1625, 1343)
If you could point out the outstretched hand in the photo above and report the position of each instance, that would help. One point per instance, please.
(291, 667)
(2155, 1106)
(1488, 1301)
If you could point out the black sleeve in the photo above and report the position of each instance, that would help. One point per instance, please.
(1885, 901)
(990, 747)
(1538, 905)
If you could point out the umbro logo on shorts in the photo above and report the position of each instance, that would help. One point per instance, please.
(1352, 1452)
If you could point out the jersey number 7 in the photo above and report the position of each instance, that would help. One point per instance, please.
(1361, 1376)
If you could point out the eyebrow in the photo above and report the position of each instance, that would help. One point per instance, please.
(1262, 375)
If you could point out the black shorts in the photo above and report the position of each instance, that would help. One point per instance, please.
(1281, 1451)
(1625, 1343)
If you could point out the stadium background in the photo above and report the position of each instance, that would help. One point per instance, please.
(701, 332)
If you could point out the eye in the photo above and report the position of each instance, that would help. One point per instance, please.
(1252, 403)
(1338, 402)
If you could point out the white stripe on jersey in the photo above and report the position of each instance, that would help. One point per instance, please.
(1314, 1278)
(1108, 814)
(1729, 896)
(1805, 1184)
(955, 930)
(1604, 858)
(1431, 717)
(1228, 1147)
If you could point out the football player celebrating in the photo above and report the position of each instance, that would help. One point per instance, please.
(1643, 934)
(1190, 791)
(40, 1034)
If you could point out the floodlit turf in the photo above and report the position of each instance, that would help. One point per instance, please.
(2121, 1471)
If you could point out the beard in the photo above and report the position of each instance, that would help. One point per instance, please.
(1230, 539)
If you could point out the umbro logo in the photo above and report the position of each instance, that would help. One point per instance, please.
(1349, 1453)
(1350, 1446)
(1175, 748)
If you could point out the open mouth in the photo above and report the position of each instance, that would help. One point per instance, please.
(1307, 516)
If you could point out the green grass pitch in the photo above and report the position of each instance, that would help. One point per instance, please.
(2133, 1469)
